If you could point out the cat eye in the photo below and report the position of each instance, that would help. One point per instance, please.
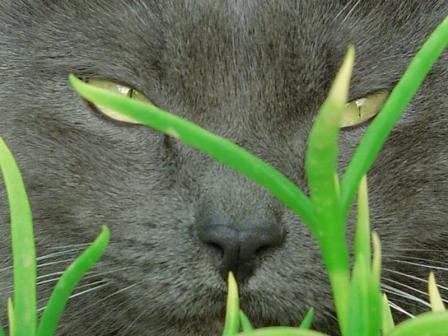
(361, 110)
(121, 89)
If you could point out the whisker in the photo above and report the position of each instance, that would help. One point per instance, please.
(90, 284)
(57, 254)
(110, 295)
(55, 263)
(43, 276)
(69, 246)
(41, 265)
(110, 312)
(118, 292)
(102, 283)
(400, 309)
(393, 258)
(76, 246)
(39, 283)
(421, 265)
(420, 250)
(398, 292)
(412, 277)
(410, 288)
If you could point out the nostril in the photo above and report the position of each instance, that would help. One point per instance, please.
(262, 249)
(215, 247)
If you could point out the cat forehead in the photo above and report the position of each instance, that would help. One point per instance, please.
(203, 40)
(196, 25)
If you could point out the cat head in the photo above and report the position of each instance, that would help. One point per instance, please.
(253, 72)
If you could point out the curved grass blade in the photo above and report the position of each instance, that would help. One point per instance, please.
(12, 322)
(320, 167)
(387, 320)
(231, 325)
(68, 282)
(360, 291)
(23, 248)
(434, 295)
(245, 323)
(377, 133)
(362, 234)
(375, 298)
(281, 331)
(308, 320)
(219, 148)
(358, 311)
(428, 324)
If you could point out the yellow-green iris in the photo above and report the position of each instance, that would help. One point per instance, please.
(121, 89)
(355, 113)
(360, 110)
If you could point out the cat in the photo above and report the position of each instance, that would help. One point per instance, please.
(254, 72)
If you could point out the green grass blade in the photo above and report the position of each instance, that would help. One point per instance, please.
(23, 248)
(245, 323)
(320, 167)
(12, 322)
(358, 311)
(434, 295)
(307, 320)
(231, 325)
(375, 298)
(387, 320)
(362, 235)
(68, 282)
(219, 148)
(365, 298)
(382, 125)
(281, 331)
(428, 324)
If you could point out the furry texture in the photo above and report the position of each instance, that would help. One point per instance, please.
(252, 71)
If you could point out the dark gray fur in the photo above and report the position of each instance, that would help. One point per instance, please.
(252, 71)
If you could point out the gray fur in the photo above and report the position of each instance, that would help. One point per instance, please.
(252, 71)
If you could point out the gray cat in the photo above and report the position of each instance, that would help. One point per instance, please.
(254, 72)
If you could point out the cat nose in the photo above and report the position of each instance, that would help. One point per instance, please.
(239, 250)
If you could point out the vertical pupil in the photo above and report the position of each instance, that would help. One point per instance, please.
(125, 91)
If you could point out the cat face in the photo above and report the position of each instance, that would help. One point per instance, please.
(253, 72)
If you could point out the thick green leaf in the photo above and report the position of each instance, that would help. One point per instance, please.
(22, 245)
(68, 282)
(219, 148)
(281, 331)
(308, 320)
(231, 325)
(382, 125)
(358, 311)
(361, 290)
(387, 320)
(320, 164)
(245, 323)
(428, 324)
